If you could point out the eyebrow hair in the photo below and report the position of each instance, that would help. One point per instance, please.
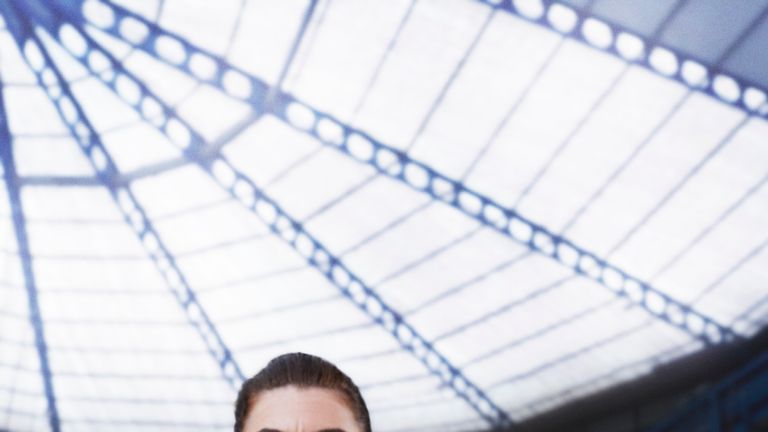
(321, 430)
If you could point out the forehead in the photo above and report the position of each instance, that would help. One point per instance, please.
(294, 409)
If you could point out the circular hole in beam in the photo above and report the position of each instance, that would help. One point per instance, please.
(133, 30)
(170, 49)
(726, 88)
(98, 14)
(562, 18)
(630, 46)
(597, 33)
(72, 40)
(237, 84)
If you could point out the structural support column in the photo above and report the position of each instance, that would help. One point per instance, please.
(20, 229)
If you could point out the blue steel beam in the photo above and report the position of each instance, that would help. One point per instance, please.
(398, 165)
(73, 116)
(19, 224)
(580, 26)
(242, 188)
(422, 177)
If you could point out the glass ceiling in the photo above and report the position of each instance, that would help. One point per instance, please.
(480, 211)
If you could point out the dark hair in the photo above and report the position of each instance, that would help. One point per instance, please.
(301, 370)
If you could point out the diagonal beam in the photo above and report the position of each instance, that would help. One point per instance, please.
(422, 177)
(86, 136)
(575, 24)
(506, 220)
(35, 315)
(351, 286)
(229, 135)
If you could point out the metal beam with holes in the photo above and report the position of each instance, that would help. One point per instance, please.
(20, 229)
(623, 43)
(507, 221)
(176, 51)
(283, 225)
(58, 91)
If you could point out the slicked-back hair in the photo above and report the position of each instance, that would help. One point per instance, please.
(303, 371)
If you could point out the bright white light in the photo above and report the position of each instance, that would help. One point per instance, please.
(133, 30)
(388, 321)
(128, 89)
(695, 323)
(562, 18)
(357, 292)
(97, 61)
(341, 276)
(531, 9)
(567, 254)
(266, 211)
(597, 33)
(223, 173)
(305, 245)
(634, 290)
(460, 383)
(195, 313)
(387, 160)
(151, 243)
(404, 333)
(99, 159)
(727, 88)
(49, 78)
(33, 55)
(630, 46)
(520, 230)
(68, 109)
(178, 133)
(655, 302)
(754, 98)
(300, 116)
(495, 215)
(98, 14)
(72, 40)
(416, 175)
(202, 66)
(151, 109)
(373, 306)
(664, 61)
(330, 131)
(675, 314)
(694, 73)
(170, 49)
(588, 265)
(125, 201)
(613, 279)
(245, 192)
(360, 147)
(237, 84)
(470, 202)
(544, 242)
(443, 189)
(322, 259)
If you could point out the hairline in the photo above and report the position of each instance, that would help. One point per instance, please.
(253, 399)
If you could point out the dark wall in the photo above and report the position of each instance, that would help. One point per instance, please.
(637, 405)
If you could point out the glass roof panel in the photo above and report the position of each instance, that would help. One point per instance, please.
(476, 215)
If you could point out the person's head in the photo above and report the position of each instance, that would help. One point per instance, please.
(300, 392)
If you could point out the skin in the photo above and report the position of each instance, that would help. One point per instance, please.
(294, 409)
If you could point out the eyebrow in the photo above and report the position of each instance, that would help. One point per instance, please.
(321, 430)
